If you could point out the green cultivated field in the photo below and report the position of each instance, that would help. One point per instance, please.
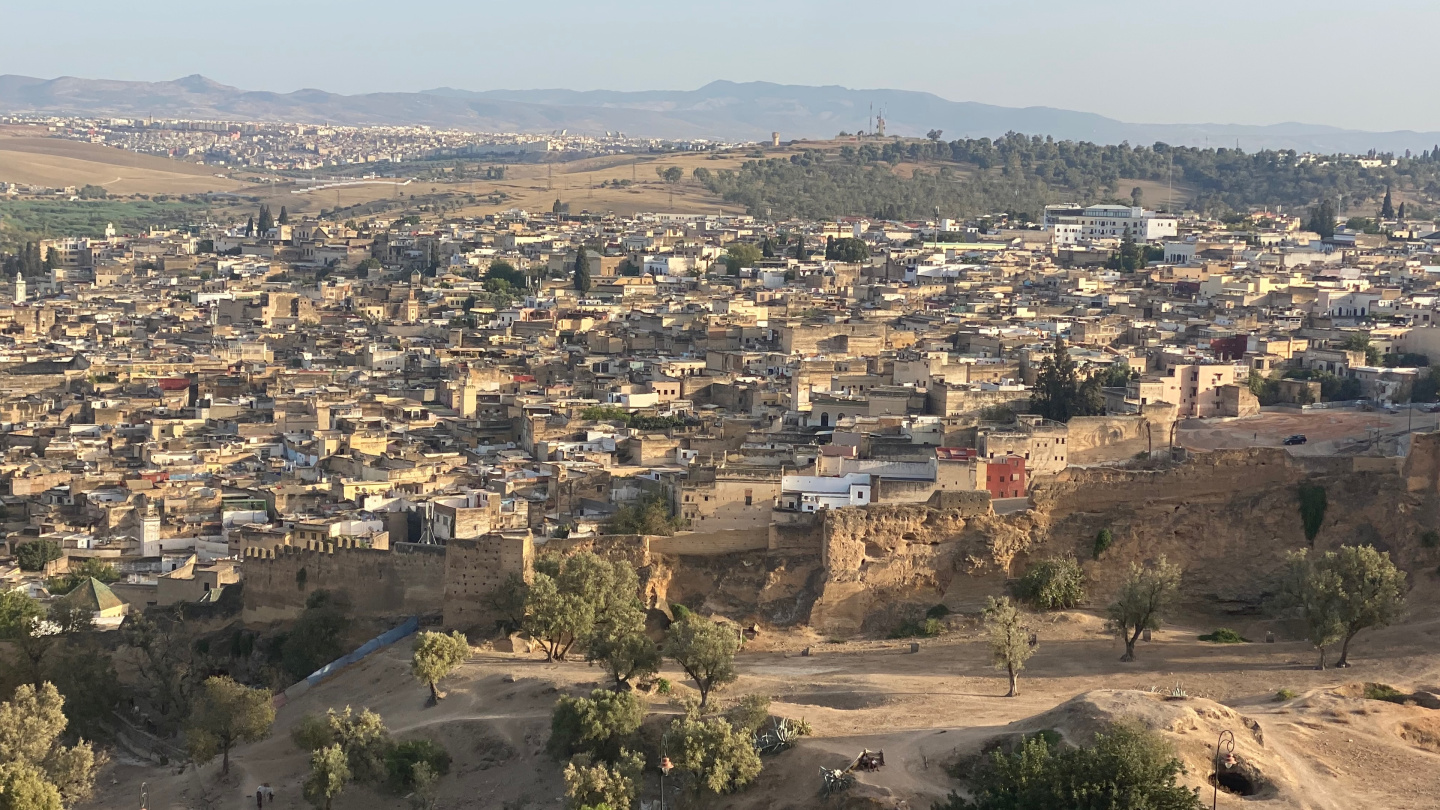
(54, 218)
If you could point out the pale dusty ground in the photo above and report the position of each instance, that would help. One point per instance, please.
(921, 709)
(58, 163)
(1346, 430)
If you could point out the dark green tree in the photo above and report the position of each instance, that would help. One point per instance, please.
(34, 555)
(1059, 392)
(506, 271)
(741, 255)
(849, 249)
(1322, 219)
(318, 636)
(1129, 258)
(1387, 207)
(582, 271)
(266, 220)
(284, 218)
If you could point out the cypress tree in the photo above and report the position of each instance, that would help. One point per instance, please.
(582, 272)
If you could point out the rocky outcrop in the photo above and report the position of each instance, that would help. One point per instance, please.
(1228, 518)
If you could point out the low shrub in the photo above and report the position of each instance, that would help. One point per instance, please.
(750, 713)
(401, 759)
(1384, 691)
(1056, 583)
(1126, 766)
(312, 732)
(937, 612)
(1103, 540)
(1225, 635)
(917, 628)
(1286, 694)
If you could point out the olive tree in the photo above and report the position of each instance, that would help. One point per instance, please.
(329, 772)
(36, 770)
(717, 757)
(226, 713)
(592, 784)
(1372, 591)
(436, 656)
(618, 639)
(1143, 602)
(1340, 593)
(23, 622)
(598, 725)
(1011, 641)
(705, 650)
(572, 600)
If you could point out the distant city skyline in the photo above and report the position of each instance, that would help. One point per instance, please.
(1143, 62)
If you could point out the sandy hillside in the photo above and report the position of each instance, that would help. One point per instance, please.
(59, 163)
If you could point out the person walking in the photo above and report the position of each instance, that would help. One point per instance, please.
(259, 797)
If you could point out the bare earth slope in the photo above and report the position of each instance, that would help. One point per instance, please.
(1328, 748)
(57, 163)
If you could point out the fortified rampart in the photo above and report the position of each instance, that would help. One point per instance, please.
(405, 581)
(1089, 432)
(1227, 517)
(474, 569)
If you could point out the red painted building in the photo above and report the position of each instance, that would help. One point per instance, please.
(1005, 477)
(1231, 348)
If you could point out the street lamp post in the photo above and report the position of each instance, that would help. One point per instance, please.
(1226, 743)
(665, 767)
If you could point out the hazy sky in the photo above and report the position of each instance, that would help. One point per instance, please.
(1358, 65)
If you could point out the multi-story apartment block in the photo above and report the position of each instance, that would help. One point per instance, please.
(1071, 223)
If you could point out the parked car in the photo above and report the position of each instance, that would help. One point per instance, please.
(1298, 438)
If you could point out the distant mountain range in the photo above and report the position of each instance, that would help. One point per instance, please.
(720, 110)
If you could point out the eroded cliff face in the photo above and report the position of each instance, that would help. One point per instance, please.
(1228, 518)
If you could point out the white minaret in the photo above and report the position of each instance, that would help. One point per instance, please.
(19, 288)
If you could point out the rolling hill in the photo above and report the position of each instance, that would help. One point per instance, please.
(719, 110)
(58, 163)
